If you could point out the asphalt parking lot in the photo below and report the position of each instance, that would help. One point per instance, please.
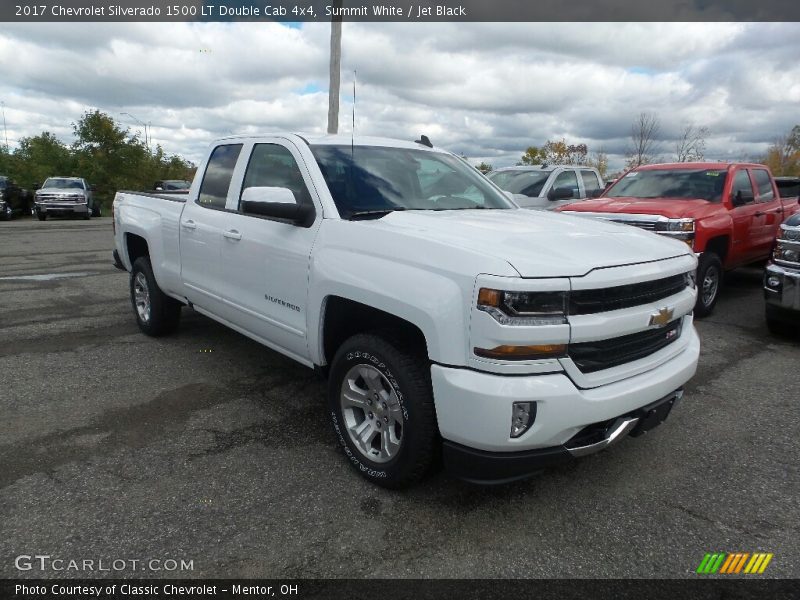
(206, 447)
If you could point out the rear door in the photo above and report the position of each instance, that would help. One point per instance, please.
(744, 220)
(769, 214)
(201, 224)
(266, 261)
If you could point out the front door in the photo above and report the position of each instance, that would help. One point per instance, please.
(266, 261)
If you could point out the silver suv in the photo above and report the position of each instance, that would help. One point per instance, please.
(65, 196)
(546, 187)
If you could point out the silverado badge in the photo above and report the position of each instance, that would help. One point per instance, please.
(662, 317)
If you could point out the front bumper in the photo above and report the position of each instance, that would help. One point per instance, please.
(786, 295)
(55, 208)
(474, 410)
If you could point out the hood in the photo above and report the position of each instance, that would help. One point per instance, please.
(673, 208)
(534, 243)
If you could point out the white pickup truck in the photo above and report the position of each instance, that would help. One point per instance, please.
(446, 318)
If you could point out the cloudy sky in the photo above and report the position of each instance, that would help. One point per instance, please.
(487, 90)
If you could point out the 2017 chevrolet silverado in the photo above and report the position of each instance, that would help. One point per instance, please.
(782, 279)
(729, 214)
(443, 315)
(66, 196)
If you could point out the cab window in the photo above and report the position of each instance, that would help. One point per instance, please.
(272, 165)
(764, 184)
(217, 178)
(567, 179)
(742, 183)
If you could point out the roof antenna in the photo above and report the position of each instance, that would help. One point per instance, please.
(353, 131)
(423, 139)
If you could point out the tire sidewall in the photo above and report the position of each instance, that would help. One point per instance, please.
(361, 350)
(142, 265)
(708, 261)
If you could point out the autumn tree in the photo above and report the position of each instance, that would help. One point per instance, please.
(557, 152)
(599, 161)
(644, 140)
(783, 156)
(691, 145)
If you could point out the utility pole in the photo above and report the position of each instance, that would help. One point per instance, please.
(144, 126)
(5, 131)
(335, 68)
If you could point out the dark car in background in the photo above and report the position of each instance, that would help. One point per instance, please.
(13, 199)
(172, 186)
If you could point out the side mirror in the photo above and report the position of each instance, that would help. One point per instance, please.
(741, 198)
(277, 203)
(597, 193)
(561, 193)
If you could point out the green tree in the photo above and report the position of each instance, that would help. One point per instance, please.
(484, 167)
(40, 157)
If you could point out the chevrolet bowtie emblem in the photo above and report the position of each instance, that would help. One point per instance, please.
(662, 317)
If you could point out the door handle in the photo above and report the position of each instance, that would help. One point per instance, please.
(232, 234)
(189, 224)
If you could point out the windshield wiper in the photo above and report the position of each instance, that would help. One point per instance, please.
(373, 214)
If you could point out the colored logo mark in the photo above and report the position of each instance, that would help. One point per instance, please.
(734, 563)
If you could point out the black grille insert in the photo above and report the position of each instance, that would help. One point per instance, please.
(586, 302)
(604, 354)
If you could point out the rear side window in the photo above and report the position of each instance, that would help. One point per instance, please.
(590, 182)
(764, 184)
(217, 178)
(567, 179)
(741, 183)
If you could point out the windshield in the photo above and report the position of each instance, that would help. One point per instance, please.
(689, 184)
(372, 178)
(527, 183)
(72, 184)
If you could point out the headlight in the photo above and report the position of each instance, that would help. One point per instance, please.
(793, 235)
(786, 252)
(524, 308)
(679, 229)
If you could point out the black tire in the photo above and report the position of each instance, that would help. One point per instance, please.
(164, 312)
(41, 216)
(405, 376)
(708, 270)
(97, 210)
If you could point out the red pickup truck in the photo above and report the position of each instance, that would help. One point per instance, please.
(729, 214)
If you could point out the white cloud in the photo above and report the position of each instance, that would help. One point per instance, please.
(486, 89)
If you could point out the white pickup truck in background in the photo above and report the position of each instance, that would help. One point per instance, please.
(442, 314)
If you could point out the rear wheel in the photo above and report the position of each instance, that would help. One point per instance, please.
(156, 313)
(709, 283)
(41, 216)
(381, 407)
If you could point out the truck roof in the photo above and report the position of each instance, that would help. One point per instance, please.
(337, 140)
(696, 165)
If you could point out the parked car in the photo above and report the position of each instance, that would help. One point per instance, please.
(175, 186)
(728, 214)
(782, 278)
(13, 199)
(789, 190)
(441, 313)
(66, 196)
(548, 186)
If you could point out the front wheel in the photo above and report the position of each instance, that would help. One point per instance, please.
(41, 216)
(709, 283)
(156, 313)
(381, 407)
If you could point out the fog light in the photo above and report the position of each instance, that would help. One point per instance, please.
(522, 416)
(773, 282)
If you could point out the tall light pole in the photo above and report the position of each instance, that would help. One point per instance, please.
(335, 68)
(143, 124)
(5, 131)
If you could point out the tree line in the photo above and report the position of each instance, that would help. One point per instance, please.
(104, 153)
(645, 146)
